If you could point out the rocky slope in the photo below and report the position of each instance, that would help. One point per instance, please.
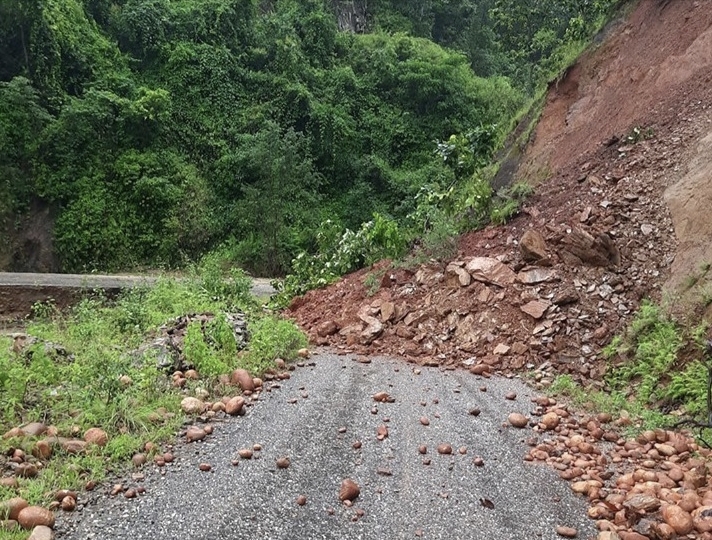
(623, 148)
(620, 217)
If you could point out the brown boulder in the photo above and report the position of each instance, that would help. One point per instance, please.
(388, 311)
(194, 433)
(598, 251)
(42, 449)
(235, 405)
(518, 420)
(34, 429)
(96, 436)
(349, 490)
(678, 519)
(327, 328)
(535, 308)
(702, 519)
(73, 446)
(488, 270)
(373, 329)
(11, 508)
(532, 246)
(32, 516)
(243, 379)
(550, 420)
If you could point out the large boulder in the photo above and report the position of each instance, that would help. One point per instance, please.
(488, 270)
(533, 246)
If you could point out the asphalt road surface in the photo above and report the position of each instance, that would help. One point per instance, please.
(401, 497)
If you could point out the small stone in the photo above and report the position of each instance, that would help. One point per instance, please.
(34, 429)
(235, 405)
(550, 420)
(191, 405)
(27, 470)
(138, 459)
(478, 462)
(356, 445)
(283, 462)
(327, 328)
(245, 453)
(349, 490)
(474, 411)
(566, 532)
(96, 436)
(422, 449)
(535, 308)
(73, 446)
(462, 450)
(243, 379)
(301, 500)
(381, 432)
(194, 433)
(42, 450)
(62, 493)
(130, 493)
(383, 397)
(680, 520)
(518, 420)
(511, 396)
(41, 532)
(205, 467)
(444, 449)
(9, 482)
(424, 420)
(303, 353)
(68, 504)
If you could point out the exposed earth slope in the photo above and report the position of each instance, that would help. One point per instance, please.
(623, 145)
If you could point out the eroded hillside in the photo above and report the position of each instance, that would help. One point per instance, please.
(620, 217)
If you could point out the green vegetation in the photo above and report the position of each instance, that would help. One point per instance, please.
(656, 367)
(159, 130)
(88, 369)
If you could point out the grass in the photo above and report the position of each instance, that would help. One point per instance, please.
(657, 372)
(84, 372)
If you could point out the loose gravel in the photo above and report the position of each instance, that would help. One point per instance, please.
(401, 497)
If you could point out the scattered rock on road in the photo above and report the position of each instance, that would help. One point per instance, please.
(349, 490)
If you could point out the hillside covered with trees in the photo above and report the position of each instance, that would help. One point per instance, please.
(159, 130)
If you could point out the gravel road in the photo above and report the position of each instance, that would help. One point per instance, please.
(401, 497)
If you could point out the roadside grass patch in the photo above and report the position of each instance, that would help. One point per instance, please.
(657, 372)
(82, 369)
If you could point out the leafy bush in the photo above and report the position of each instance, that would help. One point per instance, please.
(208, 360)
(339, 253)
(271, 338)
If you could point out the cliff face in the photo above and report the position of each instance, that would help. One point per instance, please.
(352, 15)
(649, 78)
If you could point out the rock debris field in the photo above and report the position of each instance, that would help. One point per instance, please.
(428, 453)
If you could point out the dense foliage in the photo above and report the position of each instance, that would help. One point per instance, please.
(161, 129)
